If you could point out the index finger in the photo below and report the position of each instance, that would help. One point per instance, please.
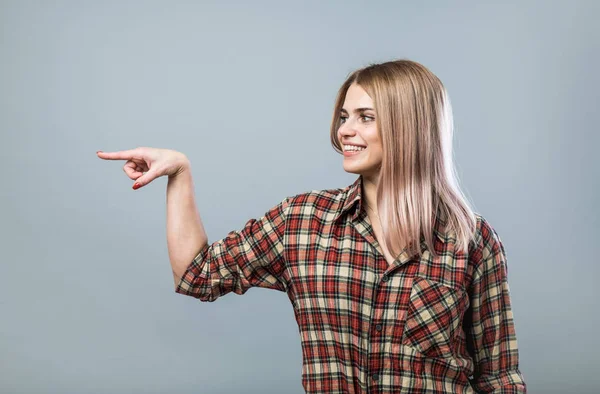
(121, 155)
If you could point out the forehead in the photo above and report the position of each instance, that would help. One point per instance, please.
(357, 97)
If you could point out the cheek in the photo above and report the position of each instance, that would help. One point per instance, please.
(376, 153)
(372, 135)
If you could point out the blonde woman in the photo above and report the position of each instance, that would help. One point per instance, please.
(397, 285)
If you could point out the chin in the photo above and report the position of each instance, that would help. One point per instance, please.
(354, 168)
(361, 170)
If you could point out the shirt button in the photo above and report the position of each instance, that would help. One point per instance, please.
(375, 376)
(386, 278)
(379, 327)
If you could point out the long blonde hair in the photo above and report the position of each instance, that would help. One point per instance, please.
(418, 180)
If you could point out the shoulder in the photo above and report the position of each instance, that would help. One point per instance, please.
(319, 202)
(312, 196)
(486, 245)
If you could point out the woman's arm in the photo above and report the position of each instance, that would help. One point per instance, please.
(253, 256)
(492, 336)
(185, 232)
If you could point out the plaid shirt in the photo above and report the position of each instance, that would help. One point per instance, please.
(420, 325)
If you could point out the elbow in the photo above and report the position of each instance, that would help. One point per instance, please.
(506, 382)
(203, 296)
(197, 287)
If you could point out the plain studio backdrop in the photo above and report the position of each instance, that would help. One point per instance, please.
(246, 90)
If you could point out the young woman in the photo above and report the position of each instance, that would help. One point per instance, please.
(397, 285)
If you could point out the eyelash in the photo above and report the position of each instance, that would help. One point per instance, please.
(342, 118)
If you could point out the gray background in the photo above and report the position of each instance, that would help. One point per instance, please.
(246, 92)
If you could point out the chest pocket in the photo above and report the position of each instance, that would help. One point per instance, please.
(434, 317)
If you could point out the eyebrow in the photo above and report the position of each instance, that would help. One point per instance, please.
(357, 110)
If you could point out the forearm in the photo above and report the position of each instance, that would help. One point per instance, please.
(185, 231)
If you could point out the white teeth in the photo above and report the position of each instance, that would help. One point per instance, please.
(353, 148)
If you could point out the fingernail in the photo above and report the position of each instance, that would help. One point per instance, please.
(136, 186)
(98, 151)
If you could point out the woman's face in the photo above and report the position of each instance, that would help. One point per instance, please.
(358, 127)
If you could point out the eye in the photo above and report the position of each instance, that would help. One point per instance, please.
(365, 118)
(370, 118)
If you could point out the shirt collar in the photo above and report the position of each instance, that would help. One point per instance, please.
(352, 195)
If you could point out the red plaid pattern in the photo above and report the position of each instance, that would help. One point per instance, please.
(420, 325)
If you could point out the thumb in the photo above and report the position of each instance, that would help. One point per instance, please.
(144, 179)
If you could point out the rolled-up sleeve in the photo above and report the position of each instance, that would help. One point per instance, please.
(492, 335)
(250, 257)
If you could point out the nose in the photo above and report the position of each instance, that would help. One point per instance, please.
(347, 129)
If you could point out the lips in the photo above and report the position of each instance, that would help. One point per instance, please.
(349, 153)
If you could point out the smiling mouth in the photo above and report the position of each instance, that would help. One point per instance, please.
(355, 149)
(352, 152)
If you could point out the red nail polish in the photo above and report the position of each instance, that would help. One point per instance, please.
(136, 186)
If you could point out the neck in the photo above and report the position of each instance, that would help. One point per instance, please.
(369, 192)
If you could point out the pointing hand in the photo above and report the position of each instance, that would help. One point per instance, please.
(145, 164)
